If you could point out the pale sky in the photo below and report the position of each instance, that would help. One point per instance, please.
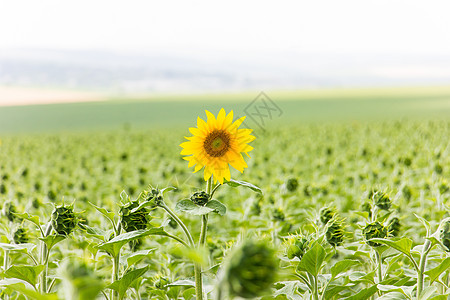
(245, 28)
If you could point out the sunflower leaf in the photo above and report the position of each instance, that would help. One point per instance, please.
(236, 183)
(190, 207)
(217, 206)
(113, 246)
(52, 240)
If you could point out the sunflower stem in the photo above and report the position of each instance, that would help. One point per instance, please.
(201, 242)
(182, 225)
(44, 260)
(423, 259)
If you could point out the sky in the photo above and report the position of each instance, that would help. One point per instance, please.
(229, 28)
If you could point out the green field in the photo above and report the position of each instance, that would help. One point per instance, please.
(173, 111)
(334, 170)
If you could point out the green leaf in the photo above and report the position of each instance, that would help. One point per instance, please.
(122, 285)
(52, 240)
(168, 189)
(436, 272)
(440, 297)
(217, 207)
(236, 183)
(182, 282)
(113, 246)
(104, 212)
(289, 288)
(191, 208)
(332, 290)
(33, 219)
(22, 289)
(94, 232)
(403, 245)
(425, 223)
(427, 293)
(393, 296)
(25, 273)
(312, 260)
(364, 293)
(17, 247)
(137, 256)
(342, 266)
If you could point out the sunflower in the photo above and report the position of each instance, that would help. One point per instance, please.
(216, 144)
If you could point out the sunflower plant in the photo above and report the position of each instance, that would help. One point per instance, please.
(215, 145)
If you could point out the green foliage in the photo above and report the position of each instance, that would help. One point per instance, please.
(333, 165)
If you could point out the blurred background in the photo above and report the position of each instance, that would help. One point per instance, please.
(132, 52)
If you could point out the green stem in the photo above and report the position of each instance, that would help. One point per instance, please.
(379, 265)
(5, 266)
(115, 275)
(423, 260)
(316, 288)
(201, 242)
(179, 222)
(51, 285)
(314, 284)
(45, 253)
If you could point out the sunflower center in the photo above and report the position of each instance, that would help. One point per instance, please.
(217, 143)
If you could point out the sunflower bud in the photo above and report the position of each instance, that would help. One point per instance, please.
(172, 223)
(444, 233)
(394, 226)
(250, 270)
(133, 218)
(200, 198)
(374, 230)
(367, 208)
(20, 236)
(292, 184)
(160, 282)
(9, 210)
(154, 196)
(64, 220)
(335, 232)
(277, 214)
(382, 201)
(297, 247)
(326, 214)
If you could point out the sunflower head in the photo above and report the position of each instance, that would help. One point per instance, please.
(216, 144)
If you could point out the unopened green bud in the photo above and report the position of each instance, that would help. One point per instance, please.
(444, 233)
(160, 282)
(292, 184)
(335, 232)
(374, 230)
(297, 247)
(9, 210)
(173, 223)
(154, 196)
(64, 220)
(134, 218)
(277, 214)
(200, 198)
(367, 208)
(20, 236)
(394, 226)
(326, 214)
(382, 201)
(251, 269)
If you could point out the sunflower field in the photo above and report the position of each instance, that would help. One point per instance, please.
(355, 209)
